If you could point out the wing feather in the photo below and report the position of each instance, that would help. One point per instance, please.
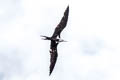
(62, 24)
(53, 55)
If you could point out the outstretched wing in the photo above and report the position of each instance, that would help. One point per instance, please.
(62, 24)
(53, 55)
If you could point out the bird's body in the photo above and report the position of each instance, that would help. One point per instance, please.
(55, 41)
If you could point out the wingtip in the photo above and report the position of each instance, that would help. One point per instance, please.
(50, 74)
(68, 7)
(67, 11)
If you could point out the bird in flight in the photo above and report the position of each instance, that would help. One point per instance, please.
(55, 41)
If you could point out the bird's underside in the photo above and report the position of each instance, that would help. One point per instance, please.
(55, 41)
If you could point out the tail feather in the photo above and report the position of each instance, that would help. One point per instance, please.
(46, 38)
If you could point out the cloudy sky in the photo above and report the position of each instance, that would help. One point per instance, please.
(91, 53)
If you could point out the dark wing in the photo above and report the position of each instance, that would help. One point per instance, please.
(53, 55)
(62, 24)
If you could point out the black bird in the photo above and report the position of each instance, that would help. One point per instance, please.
(55, 41)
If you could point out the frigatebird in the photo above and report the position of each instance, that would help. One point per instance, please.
(55, 41)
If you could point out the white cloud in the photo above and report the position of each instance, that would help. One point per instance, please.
(93, 28)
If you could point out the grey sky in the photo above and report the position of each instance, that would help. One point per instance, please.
(91, 53)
